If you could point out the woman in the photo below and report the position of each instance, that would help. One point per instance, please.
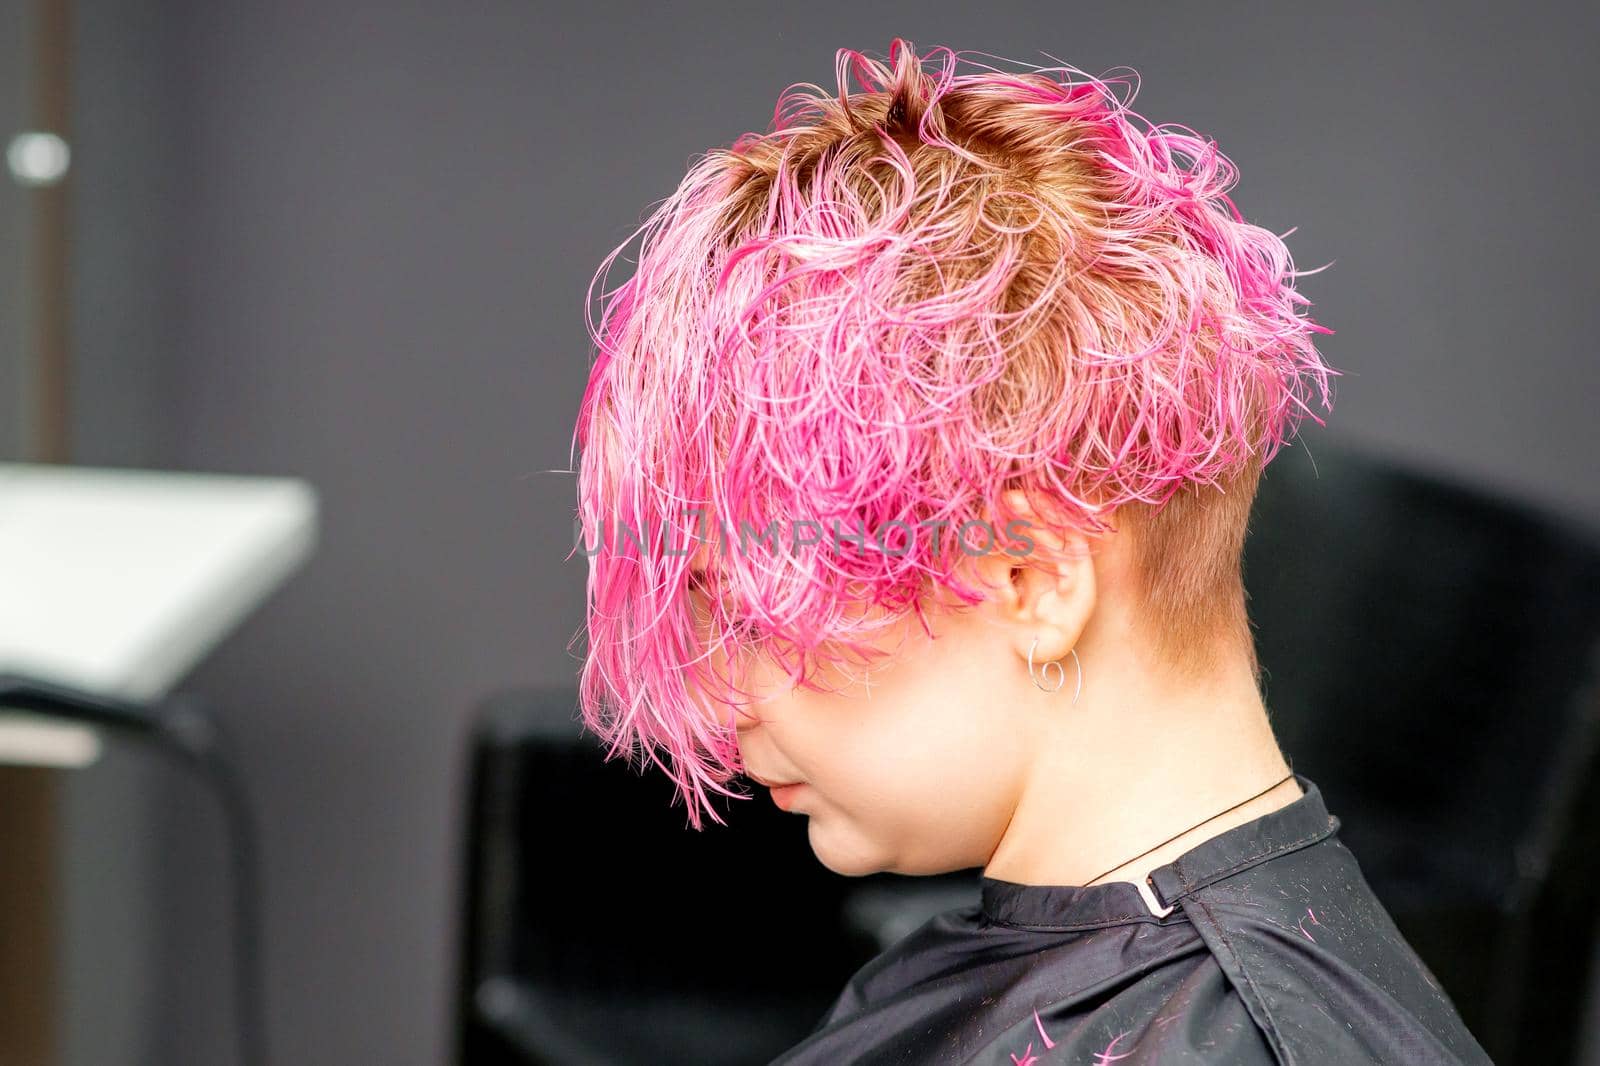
(919, 452)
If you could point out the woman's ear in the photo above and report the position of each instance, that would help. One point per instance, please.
(1044, 581)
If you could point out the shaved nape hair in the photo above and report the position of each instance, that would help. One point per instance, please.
(886, 311)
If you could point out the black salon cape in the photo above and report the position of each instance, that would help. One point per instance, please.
(1277, 951)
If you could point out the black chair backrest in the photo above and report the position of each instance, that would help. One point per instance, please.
(601, 929)
(1428, 651)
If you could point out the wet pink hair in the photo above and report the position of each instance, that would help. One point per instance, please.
(894, 306)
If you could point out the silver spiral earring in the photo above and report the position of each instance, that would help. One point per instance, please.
(1061, 672)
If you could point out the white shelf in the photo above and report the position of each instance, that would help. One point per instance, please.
(121, 581)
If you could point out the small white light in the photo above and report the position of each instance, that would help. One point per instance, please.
(37, 158)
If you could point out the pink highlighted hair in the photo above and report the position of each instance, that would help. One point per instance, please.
(895, 305)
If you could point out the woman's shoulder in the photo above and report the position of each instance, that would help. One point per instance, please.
(1323, 968)
(1289, 961)
(962, 991)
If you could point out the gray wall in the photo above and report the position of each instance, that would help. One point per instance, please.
(124, 267)
(383, 218)
(130, 95)
(15, 233)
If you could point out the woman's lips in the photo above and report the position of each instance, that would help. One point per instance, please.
(784, 795)
(783, 792)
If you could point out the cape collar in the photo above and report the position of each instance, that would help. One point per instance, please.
(1299, 824)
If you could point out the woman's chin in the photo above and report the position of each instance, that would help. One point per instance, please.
(845, 854)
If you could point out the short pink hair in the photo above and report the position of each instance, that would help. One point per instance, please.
(892, 307)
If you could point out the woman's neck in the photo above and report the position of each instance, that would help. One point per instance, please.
(1135, 761)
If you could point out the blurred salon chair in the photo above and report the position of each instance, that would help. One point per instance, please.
(600, 930)
(1430, 661)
